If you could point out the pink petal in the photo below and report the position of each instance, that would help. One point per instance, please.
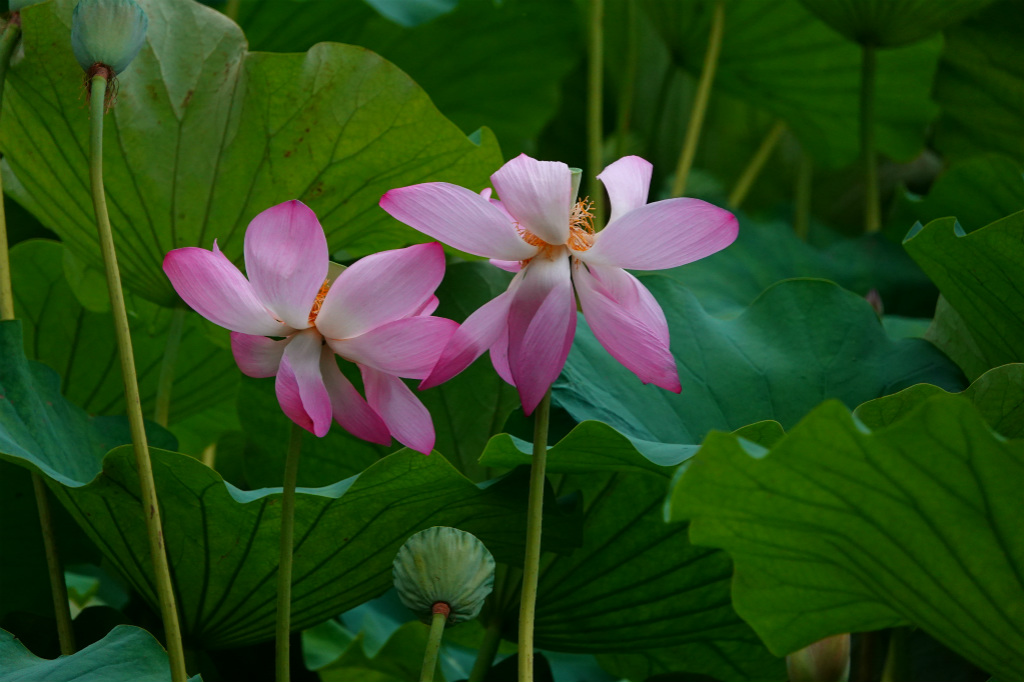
(627, 181)
(406, 348)
(381, 288)
(428, 307)
(212, 286)
(664, 234)
(286, 260)
(474, 336)
(348, 407)
(287, 389)
(458, 217)
(507, 265)
(539, 195)
(541, 323)
(628, 322)
(302, 356)
(406, 417)
(499, 358)
(257, 356)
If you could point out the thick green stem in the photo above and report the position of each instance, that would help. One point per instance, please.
(595, 83)
(430, 655)
(872, 211)
(150, 505)
(284, 568)
(165, 382)
(802, 200)
(487, 651)
(8, 41)
(628, 89)
(753, 169)
(700, 102)
(534, 516)
(58, 588)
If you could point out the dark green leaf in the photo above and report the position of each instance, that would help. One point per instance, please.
(893, 22)
(840, 529)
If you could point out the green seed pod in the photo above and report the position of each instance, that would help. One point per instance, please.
(445, 565)
(108, 32)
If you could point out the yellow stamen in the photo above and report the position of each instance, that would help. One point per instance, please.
(320, 296)
(581, 231)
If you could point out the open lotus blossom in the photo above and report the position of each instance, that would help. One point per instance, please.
(540, 231)
(375, 313)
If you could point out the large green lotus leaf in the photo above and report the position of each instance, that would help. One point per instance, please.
(636, 583)
(893, 22)
(781, 58)
(765, 252)
(950, 332)
(980, 84)
(483, 63)
(979, 274)
(80, 345)
(801, 342)
(976, 191)
(998, 396)
(125, 654)
(206, 134)
(841, 529)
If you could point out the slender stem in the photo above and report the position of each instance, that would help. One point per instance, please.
(57, 586)
(897, 662)
(437, 623)
(231, 9)
(487, 651)
(753, 169)
(284, 569)
(628, 90)
(150, 505)
(531, 564)
(872, 212)
(802, 212)
(865, 668)
(595, 138)
(165, 383)
(700, 102)
(7, 43)
(210, 455)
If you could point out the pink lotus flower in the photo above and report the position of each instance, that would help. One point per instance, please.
(375, 313)
(541, 232)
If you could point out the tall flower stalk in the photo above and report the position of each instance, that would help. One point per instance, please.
(284, 566)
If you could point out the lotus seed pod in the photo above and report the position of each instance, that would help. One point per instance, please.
(446, 565)
(108, 32)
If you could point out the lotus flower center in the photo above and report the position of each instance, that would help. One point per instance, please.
(319, 301)
(581, 231)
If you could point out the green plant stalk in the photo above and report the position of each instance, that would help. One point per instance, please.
(756, 164)
(897, 660)
(59, 590)
(284, 567)
(802, 200)
(535, 512)
(628, 92)
(700, 102)
(487, 651)
(595, 84)
(437, 622)
(231, 10)
(150, 504)
(165, 383)
(872, 211)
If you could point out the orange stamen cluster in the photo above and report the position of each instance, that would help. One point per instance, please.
(320, 296)
(581, 230)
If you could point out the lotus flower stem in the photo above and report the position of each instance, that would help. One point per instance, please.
(531, 564)
(162, 411)
(595, 76)
(61, 609)
(487, 651)
(150, 504)
(802, 200)
(872, 212)
(753, 169)
(437, 623)
(628, 91)
(700, 102)
(284, 568)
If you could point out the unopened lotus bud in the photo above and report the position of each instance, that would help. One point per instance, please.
(107, 32)
(442, 565)
(875, 299)
(824, 661)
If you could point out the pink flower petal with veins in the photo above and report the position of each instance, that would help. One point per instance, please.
(406, 417)
(257, 356)
(348, 407)
(627, 181)
(538, 194)
(286, 260)
(406, 348)
(303, 357)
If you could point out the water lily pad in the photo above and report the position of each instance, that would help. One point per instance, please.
(206, 134)
(842, 529)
